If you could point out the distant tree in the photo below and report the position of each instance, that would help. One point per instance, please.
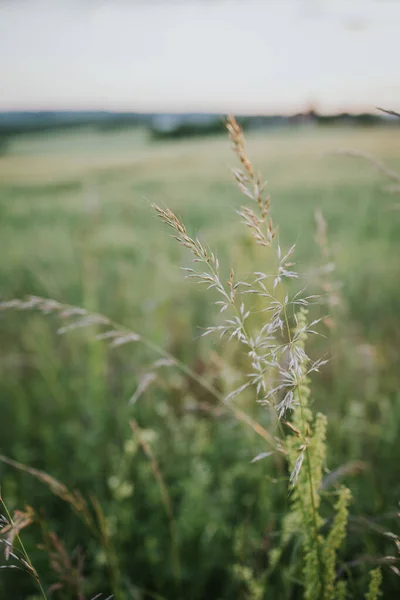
(3, 144)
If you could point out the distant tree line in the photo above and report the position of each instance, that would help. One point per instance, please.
(163, 126)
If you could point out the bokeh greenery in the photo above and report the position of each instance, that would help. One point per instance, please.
(76, 225)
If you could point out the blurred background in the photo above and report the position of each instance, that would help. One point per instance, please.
(106, 107)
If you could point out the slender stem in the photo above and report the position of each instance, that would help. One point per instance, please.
(308, 461)
(25, 553)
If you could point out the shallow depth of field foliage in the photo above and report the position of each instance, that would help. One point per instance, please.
(176, 507)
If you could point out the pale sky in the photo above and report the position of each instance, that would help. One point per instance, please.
(215, 55)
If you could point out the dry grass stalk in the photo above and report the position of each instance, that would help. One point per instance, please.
(393, 113)
(80, 506)
(379, 165)
(117, 335)
(373, 161)
(331, 287)
(10, 529)
(68, 572)
(74, 498)
(252, 186)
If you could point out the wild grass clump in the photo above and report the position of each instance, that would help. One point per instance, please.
(211, 478)
(279, 368)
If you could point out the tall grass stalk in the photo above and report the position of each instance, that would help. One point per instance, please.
(278, 368)
(117, 335)
(26, 561)
(97, 526)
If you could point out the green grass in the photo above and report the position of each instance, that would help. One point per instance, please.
(76, 225)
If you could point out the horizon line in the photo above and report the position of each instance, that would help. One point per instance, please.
(296, 109)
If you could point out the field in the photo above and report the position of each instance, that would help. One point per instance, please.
(184, 513)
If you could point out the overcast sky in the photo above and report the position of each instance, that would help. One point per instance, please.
(214, 55)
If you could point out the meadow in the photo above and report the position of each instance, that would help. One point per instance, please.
(176, 509)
